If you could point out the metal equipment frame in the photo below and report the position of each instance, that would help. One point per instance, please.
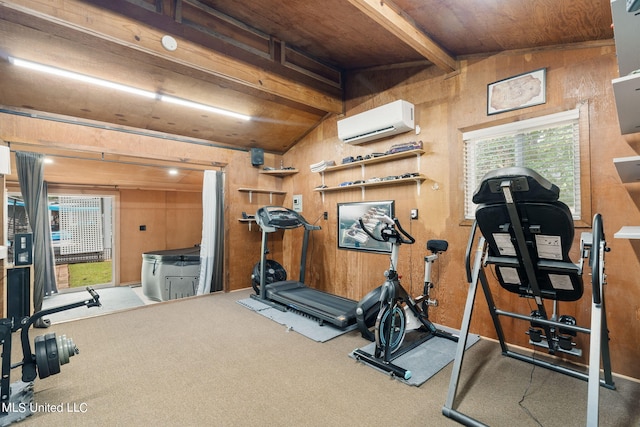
(594, 248)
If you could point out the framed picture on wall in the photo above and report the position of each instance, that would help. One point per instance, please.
(350, 233)
(523, 90)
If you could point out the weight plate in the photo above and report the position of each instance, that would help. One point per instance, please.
(51, 344)
(67, 348)
(63, 350)
(41, 357)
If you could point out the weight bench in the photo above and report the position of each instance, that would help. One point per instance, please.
(526, 235)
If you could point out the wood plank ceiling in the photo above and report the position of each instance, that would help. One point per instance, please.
(282, 62)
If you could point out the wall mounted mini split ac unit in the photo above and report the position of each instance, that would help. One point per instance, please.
(387, 120)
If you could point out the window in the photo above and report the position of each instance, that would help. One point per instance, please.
(550, 145)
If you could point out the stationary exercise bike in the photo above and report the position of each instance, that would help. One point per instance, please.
(399, 319)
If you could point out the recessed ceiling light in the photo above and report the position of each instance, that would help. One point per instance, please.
(173, 171)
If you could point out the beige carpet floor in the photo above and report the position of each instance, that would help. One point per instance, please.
(209, 361)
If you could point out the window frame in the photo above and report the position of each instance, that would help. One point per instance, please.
(516, 123)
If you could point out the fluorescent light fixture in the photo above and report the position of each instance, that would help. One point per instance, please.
(173, 171)
(124, 88)
(191, 104)
(81, 77)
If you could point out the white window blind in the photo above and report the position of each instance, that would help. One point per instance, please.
(550, 145)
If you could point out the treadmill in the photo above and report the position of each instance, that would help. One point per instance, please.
(295, 295)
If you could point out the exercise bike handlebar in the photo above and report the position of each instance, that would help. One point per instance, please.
(386, 219)
(389, 231)
(410, 238)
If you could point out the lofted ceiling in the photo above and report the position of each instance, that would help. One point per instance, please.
(282, 62)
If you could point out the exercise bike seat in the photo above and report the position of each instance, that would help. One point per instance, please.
(529, 234)
(437, 246)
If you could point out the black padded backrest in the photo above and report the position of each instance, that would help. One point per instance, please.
(528, 186)
(547, 226)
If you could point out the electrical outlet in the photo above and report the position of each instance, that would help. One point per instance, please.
(297, 202)
(414, 213)
(326, 215)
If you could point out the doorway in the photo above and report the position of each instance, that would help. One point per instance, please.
(82, 232)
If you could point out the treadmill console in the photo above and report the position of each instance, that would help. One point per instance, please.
(274, 217)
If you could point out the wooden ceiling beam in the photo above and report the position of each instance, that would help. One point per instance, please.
(85, 137)
(385, 14)
(77, 154)
(109, 26)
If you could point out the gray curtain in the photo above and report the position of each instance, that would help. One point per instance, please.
(30, 168)
(212, 244)
(217, 283)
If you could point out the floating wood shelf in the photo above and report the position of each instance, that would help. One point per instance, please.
(279, 172)
(379, 159)
(417, 179)
(626, 88)
(628, 168)
(262, 191)
(367, 182)
(627, 94)
(628, 232)
(247, 221)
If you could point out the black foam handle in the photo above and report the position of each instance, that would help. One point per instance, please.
(410, 240)
(598, 238)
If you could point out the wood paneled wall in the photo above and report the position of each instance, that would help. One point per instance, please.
(446, 105)
(243, 240)
(171, 220)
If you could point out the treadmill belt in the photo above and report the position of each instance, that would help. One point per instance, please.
(331, 308)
